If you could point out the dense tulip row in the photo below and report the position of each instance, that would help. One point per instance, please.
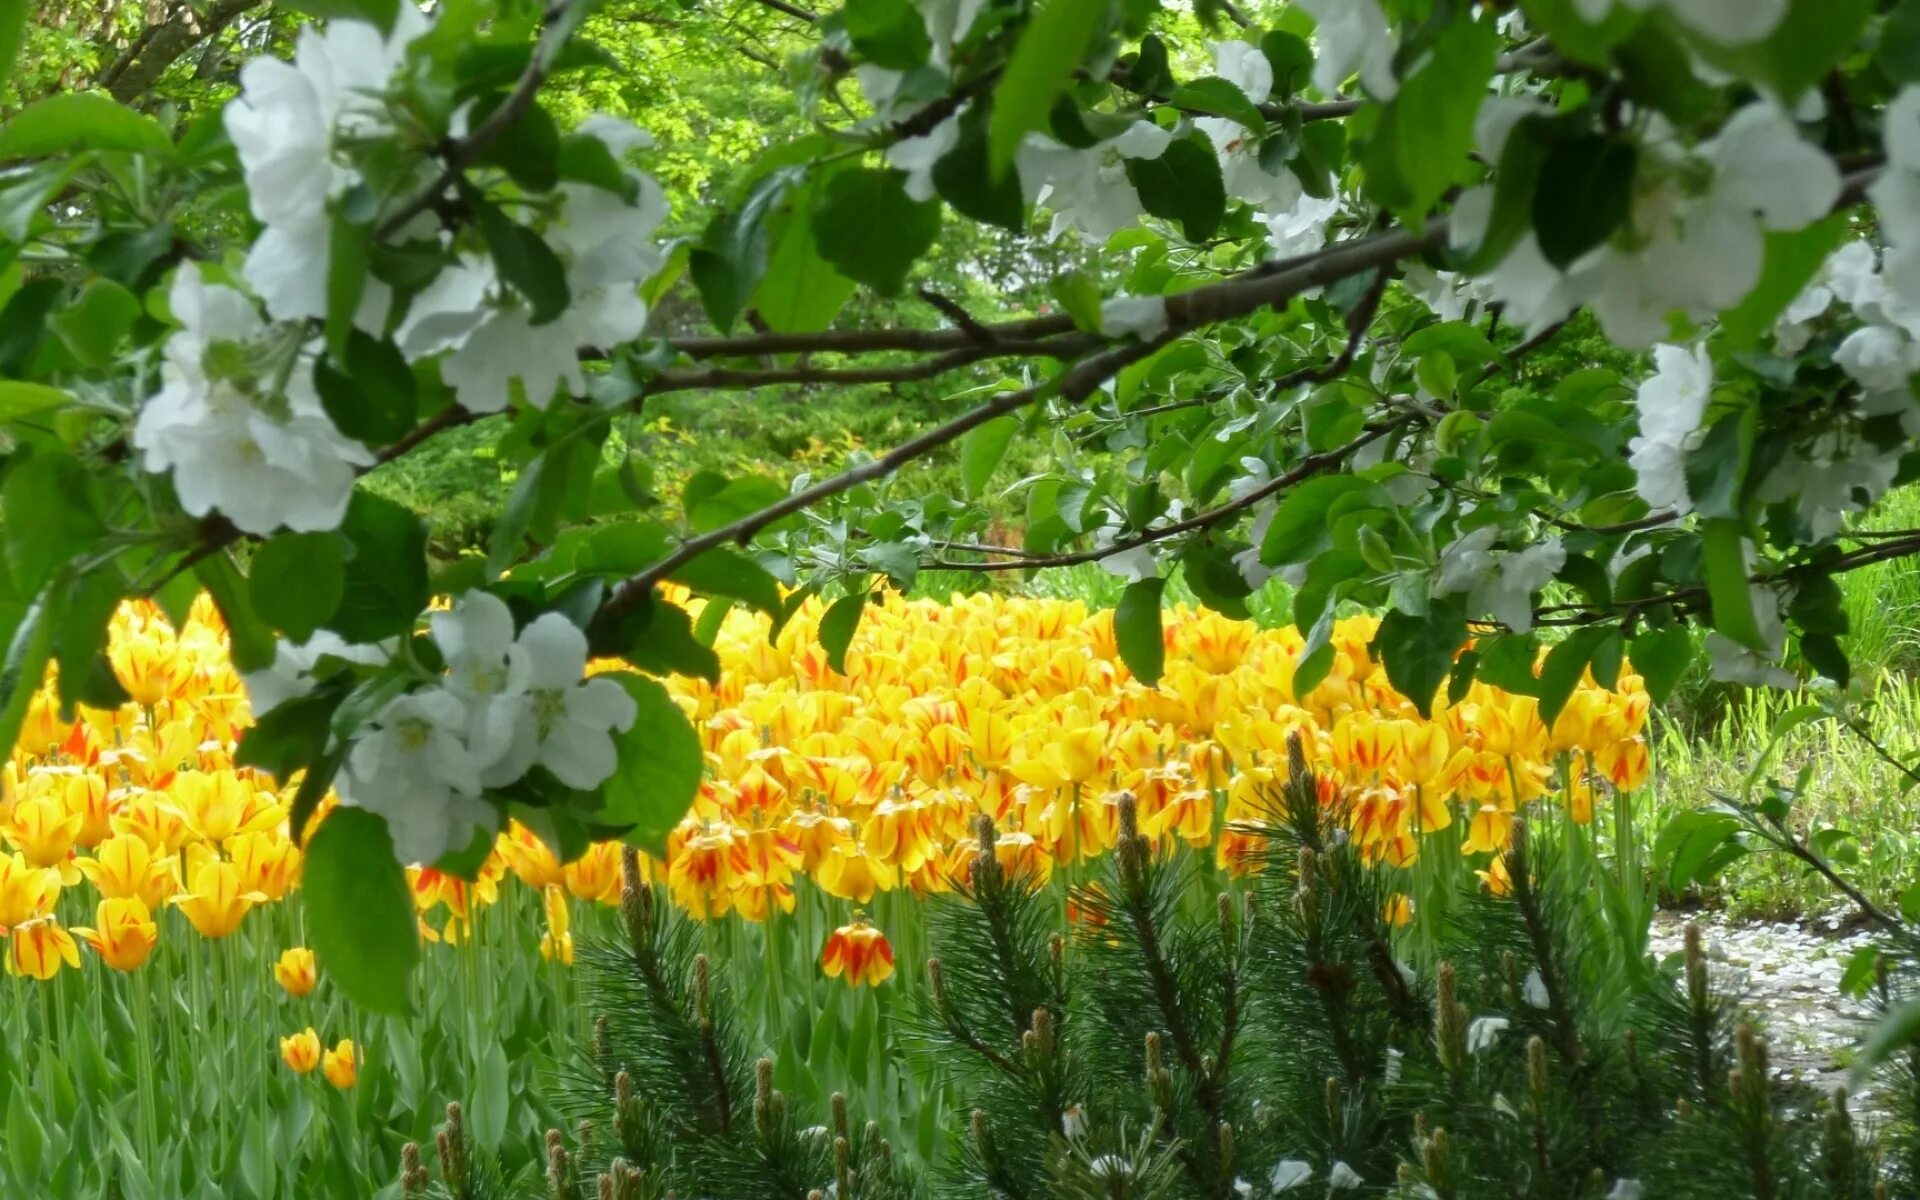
(865, 782)
(1022, 709)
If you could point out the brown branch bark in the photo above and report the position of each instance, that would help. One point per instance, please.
(159, 47)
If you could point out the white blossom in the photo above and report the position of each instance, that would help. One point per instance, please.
(1302, 228)
(1353, 38)
(1341, 1177)
(489, 335)
(1534, 990)
(1144, 317)
(411, 764)
(1671, 404)
(1289, 1173)
(290, 675)
(1730, 22)
(564, 720)
(237, 421)
(288, 126)
(1245, 66)
(1624, 1189)
(1496, 582)
(1879, 358)
(1073, 1122)
(1087, 188)
(1110, 1166)
(917, 155)
(1484, 1032)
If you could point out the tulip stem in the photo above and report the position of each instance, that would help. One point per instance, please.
(143, 1067)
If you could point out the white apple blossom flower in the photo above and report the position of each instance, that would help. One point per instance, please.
(1088, 189)
(1341, 1177)
(1289, 1173)
(1534, 990)
(1671, 403)
(489, 335)
(290, 676)
(1110, 1166)
(1484, 1032)
(288, 125)
(1073, 1122)
(1700, 252)
(1498, 583)
(1624, 1189)
(1878, 357)
(412, 765)
(237, 421)
(1730, 22)
(1353, 38)
(1245, 66)
(563, 721)
(1144, 317)
(1301, 229)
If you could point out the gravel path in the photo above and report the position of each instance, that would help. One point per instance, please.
(1789, 976)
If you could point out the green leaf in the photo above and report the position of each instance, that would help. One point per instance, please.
(13, 28)
(1803, 47)
(528, 149)
(374, 12)
(837, 626)
(871, 230)
(1417, 651)
(1291, 59)
(290, 736)
(296, 581)
(1824, 654)
(492, 1096)
(1048, 53)
(84, 674)
(1507, 662)
(25, 665)
(249, 639)
(1792, 258)
(1299, 528)
(964, 180)
(1584, 189)
(1695, 845)
(359, 910)
(981, 451)
(18, 399)
(1898, 54)
(1565, 664)
(740, 498)
(349, 259)
(1723, 547)
(1426, 131)
(660, 767)
(1576, 37)
(1661, 657)
(731, 258)
(724, 571)
(377, 400)
(49, 516)
(1184, 185)
(1136, 627)
(658, 637)
(386, 575)
(800, 291)
(80, 121)
(97, 320)
(1217, 97)
(527, 263)
(888, 33)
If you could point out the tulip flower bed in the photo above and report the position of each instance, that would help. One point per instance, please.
(167, 1029)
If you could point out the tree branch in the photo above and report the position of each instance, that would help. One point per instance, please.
(159, 47)
(680, 380)
(1312, 465)
(562, 18)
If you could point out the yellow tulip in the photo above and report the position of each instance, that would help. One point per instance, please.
(851, 873)
(301, 1051)
(268, 863)
(125, 867)
(124, 935)
(1060, 757)
(27, 892)
(219, 804)
(216, 904)
(44, 831)
(340, 1065)
(39, 948)
(860, 952)
(296, 972)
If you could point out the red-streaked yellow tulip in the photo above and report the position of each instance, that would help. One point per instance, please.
(301, 1051)
(296, 972)
(39, 948)
(860, 952)
(341, 1065)
(124, 933)
(216, 904)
